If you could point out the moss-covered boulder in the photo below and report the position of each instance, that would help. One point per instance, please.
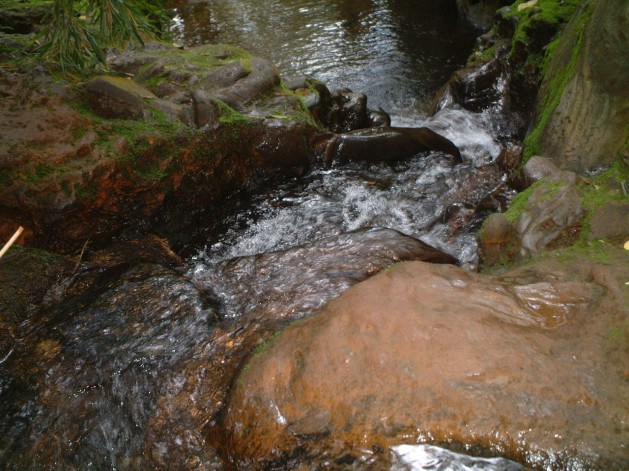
(116, 97)
(583, 107)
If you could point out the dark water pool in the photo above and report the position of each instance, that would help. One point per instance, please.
(397, 52)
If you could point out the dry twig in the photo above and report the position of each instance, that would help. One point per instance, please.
(13, 238)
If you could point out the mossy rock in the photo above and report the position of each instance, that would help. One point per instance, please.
(19, 17)
(26, 275)
(581, 118)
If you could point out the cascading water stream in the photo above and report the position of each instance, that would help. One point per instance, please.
(124, 380)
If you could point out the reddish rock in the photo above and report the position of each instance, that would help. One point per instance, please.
(498, 240)
(522, 366)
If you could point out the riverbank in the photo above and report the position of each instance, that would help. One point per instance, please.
(117, 341)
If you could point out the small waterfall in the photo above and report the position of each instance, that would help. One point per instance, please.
(467, 131)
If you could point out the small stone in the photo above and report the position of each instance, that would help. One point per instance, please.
(611, 221)
(117, 97)
(498, 240)
(536, 168)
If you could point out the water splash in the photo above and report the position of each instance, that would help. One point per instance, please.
(467, 131)
(432, 458)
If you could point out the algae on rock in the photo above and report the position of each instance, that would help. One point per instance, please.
(582, 119)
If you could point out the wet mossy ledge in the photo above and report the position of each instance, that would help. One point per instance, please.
(567, 70)
(566, 60)
(566, 65)
(573, 217)
(164, 139)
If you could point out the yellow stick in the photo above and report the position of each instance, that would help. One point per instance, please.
(8, 245)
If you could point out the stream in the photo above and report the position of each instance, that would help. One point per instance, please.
(133, 373)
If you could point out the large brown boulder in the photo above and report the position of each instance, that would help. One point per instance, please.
(529, 366)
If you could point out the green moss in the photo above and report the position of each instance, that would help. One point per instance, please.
(78, 133)
(82, 107)
(156, 80)
(40, 173)
(594, 194)
(518, 204)
(47, 258)
(547, 14)
(264, 346)
(7, 176)
(617, 334)
(246, 63)
(597, 251)
(229, 116)
(152, 174)
(212, 55)
(24, 6)
(257, 353)
(394, 266)
(601, 190)
(551, 95)
(156, 123)
(140, 135)
(86, 192)
(298, 113)
(65, 188)
(487, 54)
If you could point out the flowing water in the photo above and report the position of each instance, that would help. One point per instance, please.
(133, 374)
(396, 52)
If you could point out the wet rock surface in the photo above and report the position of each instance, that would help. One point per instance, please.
(498, 241)
(553, 212)
(127, 362)
(387, 144)
(91, 376)
(288, 285)
(67, 178)
(26, 275)
(185, 130)
(552, 217)
(524, 365)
